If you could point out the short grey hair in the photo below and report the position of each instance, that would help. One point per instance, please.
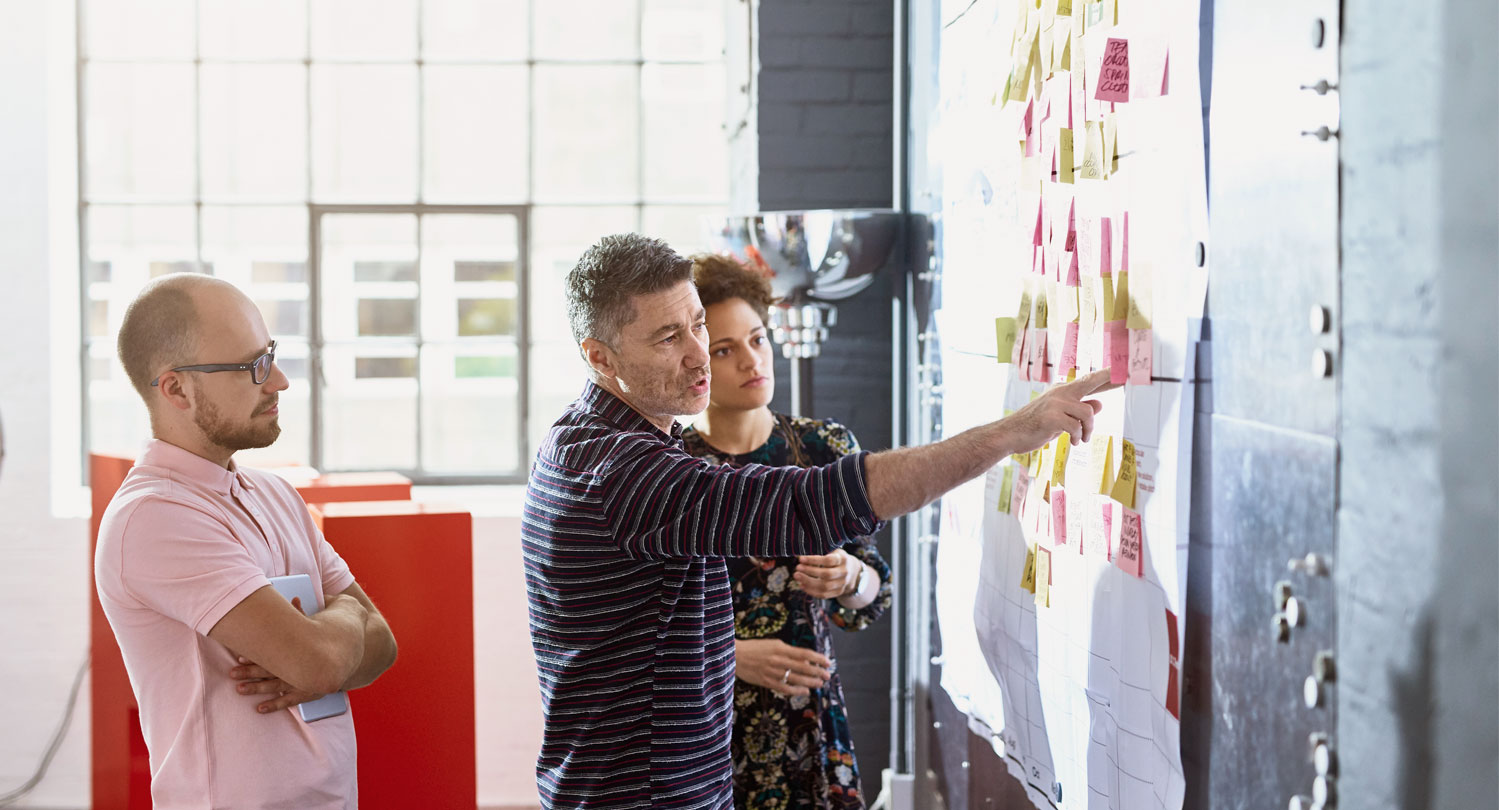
(602, 287)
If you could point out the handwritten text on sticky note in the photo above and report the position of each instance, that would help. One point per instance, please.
(1113, 77)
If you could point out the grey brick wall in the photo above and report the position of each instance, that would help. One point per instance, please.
(820, 136)
(1417, 567)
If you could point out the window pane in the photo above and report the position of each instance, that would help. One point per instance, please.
(383, 317)
(140, 131)
(586, 125)
(365, 256)
(364, 133)
(474, 30)
(133, 239)
(254, 131)
(558, 237)
(686, 150)
(294, 446)
(118, 422)
(464, 289)
(681, 225)
(263, 250)
(683, 30)
(587, 29)
(140, 29)
(369, 408)
(476, 134)
(366, 30)
(553, 391)
(264, 29)
(470, 414)
(486, 316)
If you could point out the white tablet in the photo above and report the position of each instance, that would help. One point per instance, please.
(299, 586)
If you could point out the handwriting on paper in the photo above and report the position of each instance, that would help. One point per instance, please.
(1004, 338)
(1065, 160)
(1068, 361)
(1063, 444)
(1059, 514)
(1124, 483)
(1141, 349)
(1116, 347)
(1006, 487)
(1113, 76)
(1028, 573)
(1043, 576)
(1131, 556)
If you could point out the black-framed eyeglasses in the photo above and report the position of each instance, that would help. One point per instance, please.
(259, 368)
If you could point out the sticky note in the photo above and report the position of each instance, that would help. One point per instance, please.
(1066, 162)
(1123, 236)
(1022, 486)
(1064, 58)
(1073, 273)
(1110, 143)
(1116, 349)
(1124, 484)
(1059, 515)
(1095, 14)
(1121, 298)
(1078, 108)
(1027, 121)
(1068, 360)
(1028, 573)
(1139, 298)
(1092, 166)
(1110, 534)
(1141, 359)
(1131, 555)
(1043, 577)
(1063, 445)
(1071, 226)
(1102, 464)
(1064, 8)
(1004, 336)
(1113, 77)
(1038, 318)
(1006, 488)
(1105, 248)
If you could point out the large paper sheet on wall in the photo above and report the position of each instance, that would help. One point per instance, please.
(1068, 141)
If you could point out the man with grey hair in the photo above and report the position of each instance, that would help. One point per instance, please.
(623, 535)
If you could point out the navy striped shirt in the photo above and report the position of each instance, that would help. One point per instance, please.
(624, 536)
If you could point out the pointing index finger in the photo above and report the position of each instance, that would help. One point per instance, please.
(1095, 383)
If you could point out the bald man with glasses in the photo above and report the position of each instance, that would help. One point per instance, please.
(187, 548)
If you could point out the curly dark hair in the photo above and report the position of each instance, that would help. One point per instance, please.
(720, 278)
(608, 276)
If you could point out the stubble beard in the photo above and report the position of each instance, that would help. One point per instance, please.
(230, 436)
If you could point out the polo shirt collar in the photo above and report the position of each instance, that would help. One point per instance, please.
(193, 467)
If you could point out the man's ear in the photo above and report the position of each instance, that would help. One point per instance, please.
(599, 357)
(171, 391)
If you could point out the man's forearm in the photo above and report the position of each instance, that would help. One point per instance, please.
(904, 480)
(379, 653)
(342, 625)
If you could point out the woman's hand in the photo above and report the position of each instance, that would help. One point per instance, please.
(779, 667)
(828, 576)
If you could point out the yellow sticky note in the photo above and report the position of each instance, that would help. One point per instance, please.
(1006, 488)
(1124, 485)
(1139, 295)
(1023, 319)
(1059, 462)
(1092, 165)
(1102, 463)
(1041, 311)
(1038, 462)
(1121, 298)
(1028, 574)
(1106, 296)
(1004, 336)
(1045, 51)
(1065, 164)
(1043, 577)
(1064, 8)
(1066, 310)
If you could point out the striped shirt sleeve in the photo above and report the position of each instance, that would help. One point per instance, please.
(666, 504)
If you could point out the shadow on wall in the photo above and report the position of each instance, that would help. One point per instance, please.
(1415, 711)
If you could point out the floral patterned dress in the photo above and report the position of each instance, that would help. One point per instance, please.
(794, 752)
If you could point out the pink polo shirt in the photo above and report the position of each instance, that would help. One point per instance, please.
(182, 543)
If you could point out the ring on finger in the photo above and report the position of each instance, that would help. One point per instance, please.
(786, 679)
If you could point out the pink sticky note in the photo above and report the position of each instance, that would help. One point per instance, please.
(1108, 527)
(1113, 76)
(1068, 361)
(1036, 239)
(1071, 227)
(1131, 556)
(1022, 485)
(1141, 347)
(1040, 371)
(1106, 248)
(1087, 241)
(1124, 245)
(1022, 346)
(1027, 121)
(1059, 515)
(1166, 74)
(1074, 278)
(1116, 347)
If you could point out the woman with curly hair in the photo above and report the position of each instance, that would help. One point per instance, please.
(791, 743)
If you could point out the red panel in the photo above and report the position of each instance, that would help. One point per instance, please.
(355, 486)
(415, 724)
(121, 771)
